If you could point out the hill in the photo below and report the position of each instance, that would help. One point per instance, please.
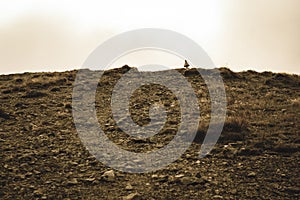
(256, 157)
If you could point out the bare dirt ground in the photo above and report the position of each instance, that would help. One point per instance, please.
(256, 157)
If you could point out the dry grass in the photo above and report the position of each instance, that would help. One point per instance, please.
(236, 124)
(235, 129)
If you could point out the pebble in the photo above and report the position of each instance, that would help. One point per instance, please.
(154, 176)
(190, 180)
(234, 191)
(179, 176)
(37, 192)
(109, 175)
(131, 196)
(128, 187)
(73, 181)
(251, 174)
(217, 197)
(89, 179)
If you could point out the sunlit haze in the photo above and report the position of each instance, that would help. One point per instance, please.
(59, 35)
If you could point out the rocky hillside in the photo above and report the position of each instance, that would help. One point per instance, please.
(256, 157)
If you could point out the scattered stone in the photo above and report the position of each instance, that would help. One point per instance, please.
(73, 181)
(21, 176)
(37, 192)
(179, 176)
(154, 176)
(131, 196)
(128, 186)
(109, 175)
(191, 181)
(90, 180)
(233, 191)
(36, 172)
(217, 197)
(251, 174)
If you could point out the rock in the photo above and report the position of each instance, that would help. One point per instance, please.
(191, 181)
(233, 191)
(37, 192)
(217, 197)
(109, 175)
(73, 181)
(179, 175)
(128, 186)
(90, 180)
(251, 174)
(21, 176)
(161, 178)
(154, 176)
(131, 196)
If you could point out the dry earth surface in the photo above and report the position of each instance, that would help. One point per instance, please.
(256, 157)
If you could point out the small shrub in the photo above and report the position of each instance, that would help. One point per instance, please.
(236, 124)
(235, 129)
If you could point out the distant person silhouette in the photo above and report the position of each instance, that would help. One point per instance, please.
(186, 64)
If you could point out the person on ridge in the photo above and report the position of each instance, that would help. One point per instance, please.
(186, 64)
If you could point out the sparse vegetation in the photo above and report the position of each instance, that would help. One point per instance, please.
(237, 124)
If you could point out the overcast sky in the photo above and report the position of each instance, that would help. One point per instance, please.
(54, 35)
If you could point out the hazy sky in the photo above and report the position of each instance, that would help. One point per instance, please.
(54, 35)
